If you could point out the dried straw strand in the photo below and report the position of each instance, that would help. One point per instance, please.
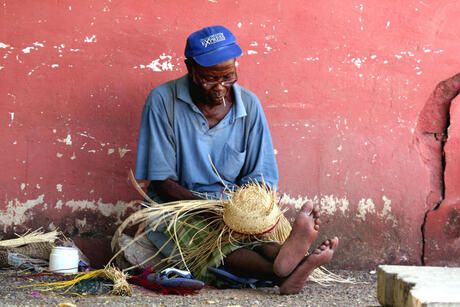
(35, 236)
(119, 279)
(138, 188)
(194, 257)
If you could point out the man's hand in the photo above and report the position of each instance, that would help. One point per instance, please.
(169, 190)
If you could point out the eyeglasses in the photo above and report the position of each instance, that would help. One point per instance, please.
(210, 84)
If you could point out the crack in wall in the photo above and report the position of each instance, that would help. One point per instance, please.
(431, 138)
(442, 139)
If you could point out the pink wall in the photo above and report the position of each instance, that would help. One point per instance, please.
(342, 84)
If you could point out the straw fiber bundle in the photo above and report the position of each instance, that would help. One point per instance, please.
(250, 215)
(120, 284)
(214, 233)
(35, 236)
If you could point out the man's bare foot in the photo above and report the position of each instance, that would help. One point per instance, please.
(303, 233)
(320, 256)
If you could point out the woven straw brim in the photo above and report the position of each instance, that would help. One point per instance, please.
(252, 210)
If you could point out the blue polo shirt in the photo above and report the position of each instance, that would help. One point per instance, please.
(175, 141)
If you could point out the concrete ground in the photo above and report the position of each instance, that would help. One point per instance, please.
(361, 293)
(415, 286)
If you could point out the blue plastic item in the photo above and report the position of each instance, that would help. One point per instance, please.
(230, 280)
(185, 280)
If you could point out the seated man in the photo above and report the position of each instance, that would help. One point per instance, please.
(205, 115)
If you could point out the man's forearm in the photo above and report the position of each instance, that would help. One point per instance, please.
(169, 190)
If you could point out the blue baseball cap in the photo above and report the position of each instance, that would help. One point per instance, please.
(212, 45)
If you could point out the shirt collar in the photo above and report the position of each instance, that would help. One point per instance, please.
(183, 93)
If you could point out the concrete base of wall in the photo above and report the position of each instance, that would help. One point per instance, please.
(418, 286)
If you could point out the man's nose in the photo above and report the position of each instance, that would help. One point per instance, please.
(219, 87)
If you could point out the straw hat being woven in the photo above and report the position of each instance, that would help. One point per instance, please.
(252, 210)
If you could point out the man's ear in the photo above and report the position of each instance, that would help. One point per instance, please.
(189, 64)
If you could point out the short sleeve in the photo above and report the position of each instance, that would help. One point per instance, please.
(156, 155)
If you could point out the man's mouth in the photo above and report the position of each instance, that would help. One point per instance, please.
(218, 98)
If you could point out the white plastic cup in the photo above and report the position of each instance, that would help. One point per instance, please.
(64, 260)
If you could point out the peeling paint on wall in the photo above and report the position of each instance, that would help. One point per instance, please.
(106, 209)
(91, 39)
(331, 205)
(15, 211)
(11, 119)
(122, 152)
(67, 140)
(162, 63)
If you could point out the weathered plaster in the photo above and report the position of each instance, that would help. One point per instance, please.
(332, 205)
(436, 137)
(17, 212)
(67, 140)
(365, 206)
(162, 63)
(341, 96)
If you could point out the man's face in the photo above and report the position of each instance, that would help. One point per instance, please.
(214, 82)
